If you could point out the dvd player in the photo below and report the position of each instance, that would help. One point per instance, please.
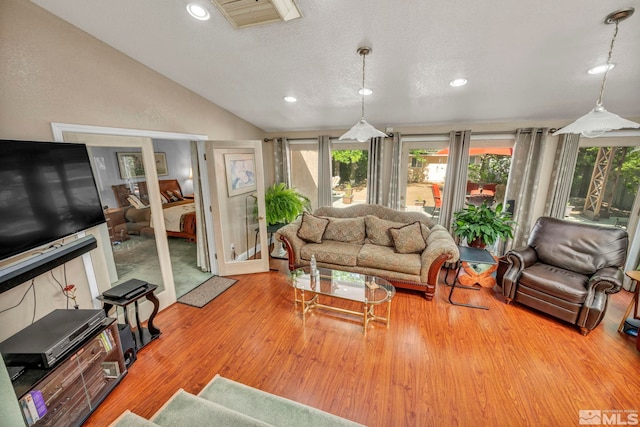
(43, 343)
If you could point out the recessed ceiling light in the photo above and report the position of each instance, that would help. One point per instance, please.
(365, 91)
(458, 82)
(600, 68)
(198, 11)
(290, 98)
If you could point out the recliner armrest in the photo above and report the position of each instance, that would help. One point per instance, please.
(518, 260)
(607, 280)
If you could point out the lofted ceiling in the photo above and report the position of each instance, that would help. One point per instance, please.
(525, 61)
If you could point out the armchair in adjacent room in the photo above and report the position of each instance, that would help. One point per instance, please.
(568, 270)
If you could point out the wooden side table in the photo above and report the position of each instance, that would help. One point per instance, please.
(474, 256)
(142, 335)
(633, 305)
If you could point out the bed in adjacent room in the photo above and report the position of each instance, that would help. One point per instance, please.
(178, 210)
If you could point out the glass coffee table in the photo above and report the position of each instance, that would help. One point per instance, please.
(332, 285)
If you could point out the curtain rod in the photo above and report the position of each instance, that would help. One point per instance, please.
(421, 135)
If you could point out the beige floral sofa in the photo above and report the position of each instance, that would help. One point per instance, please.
(406, 248)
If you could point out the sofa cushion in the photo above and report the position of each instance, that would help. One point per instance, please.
(378, 230)
(385, 258)
(557, 282)
(312, 228)
(348, 230)
(408, 239)
(332, 252)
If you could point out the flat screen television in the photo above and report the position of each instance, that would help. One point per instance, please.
(47, 192)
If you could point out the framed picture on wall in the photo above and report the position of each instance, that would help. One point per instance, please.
(241, 171)
(131, 165)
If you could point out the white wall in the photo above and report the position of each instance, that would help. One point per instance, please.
(53, 72)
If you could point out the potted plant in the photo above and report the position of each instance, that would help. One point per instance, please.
(283, 205)
(482, 225)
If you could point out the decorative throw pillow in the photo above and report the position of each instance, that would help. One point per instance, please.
(408, 239)
(312, 228)
(174, 196)
(136, 202)
(163, 198)
(378, 230)
(348, 230)
(425, 231)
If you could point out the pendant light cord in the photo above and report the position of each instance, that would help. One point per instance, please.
(364, 56)
(604, 78)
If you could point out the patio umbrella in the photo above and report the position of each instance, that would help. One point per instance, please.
(477, 151)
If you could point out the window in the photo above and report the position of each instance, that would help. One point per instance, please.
(488, 172)
(425, 172)
(605, 183)
(349, 163)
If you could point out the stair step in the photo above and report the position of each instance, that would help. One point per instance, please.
(129, 419)
(186, 410)
(267, 407)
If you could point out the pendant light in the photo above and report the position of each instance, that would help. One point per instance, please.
(599, 120)
(362, 130)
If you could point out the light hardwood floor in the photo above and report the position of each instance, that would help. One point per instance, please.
(436, 365)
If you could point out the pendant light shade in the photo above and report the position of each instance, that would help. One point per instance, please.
(599, 120)
(363, 131)
(596, 122)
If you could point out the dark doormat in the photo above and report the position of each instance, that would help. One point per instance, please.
(206, 292)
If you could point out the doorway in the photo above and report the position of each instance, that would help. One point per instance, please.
(101, 274)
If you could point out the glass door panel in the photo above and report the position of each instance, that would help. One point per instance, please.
(424, 168)
(119, 175)
(237, 187)
(488, 171)
(349, 167)
(426, 172)
(605, 185)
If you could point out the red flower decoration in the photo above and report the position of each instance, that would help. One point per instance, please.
(69, 291)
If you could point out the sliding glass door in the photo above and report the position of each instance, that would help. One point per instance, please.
(349, 167)
(424, 168)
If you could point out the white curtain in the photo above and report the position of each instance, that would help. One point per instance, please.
(324, 171)
(564, 165)
(523, 181)
(455, 184)
(394, 178)
(374, 171)
(202, 247)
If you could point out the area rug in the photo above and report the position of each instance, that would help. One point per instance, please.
(206, 292)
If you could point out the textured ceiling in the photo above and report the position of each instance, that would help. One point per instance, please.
(524, 60)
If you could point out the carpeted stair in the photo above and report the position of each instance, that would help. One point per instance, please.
(227, 403)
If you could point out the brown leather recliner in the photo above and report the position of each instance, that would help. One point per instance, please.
(567, 270)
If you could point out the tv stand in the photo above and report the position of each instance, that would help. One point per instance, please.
(72, 389)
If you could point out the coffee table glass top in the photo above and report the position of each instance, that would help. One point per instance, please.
(344, 284)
